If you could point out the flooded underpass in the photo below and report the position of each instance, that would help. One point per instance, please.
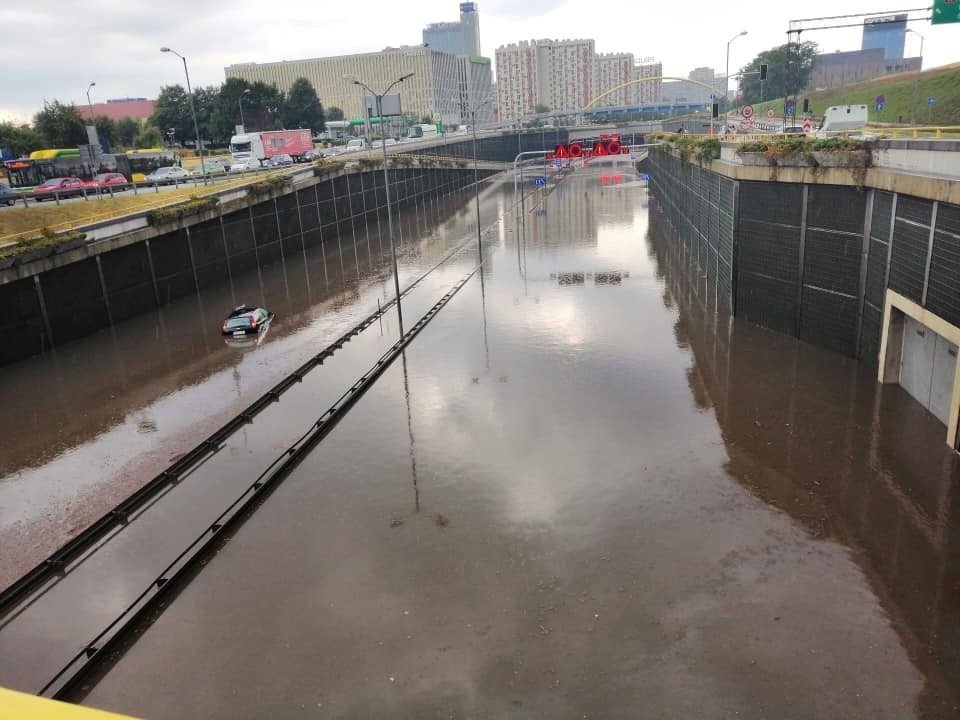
(581, 491)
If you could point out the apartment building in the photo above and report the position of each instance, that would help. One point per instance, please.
(568, 75)
(434, 89)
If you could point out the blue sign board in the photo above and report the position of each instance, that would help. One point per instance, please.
(788, 108)
(540, 181)
(558, 162)
(931, 101)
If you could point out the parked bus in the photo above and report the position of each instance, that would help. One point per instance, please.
(42, 165)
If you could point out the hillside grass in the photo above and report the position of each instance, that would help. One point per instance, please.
(899, 92)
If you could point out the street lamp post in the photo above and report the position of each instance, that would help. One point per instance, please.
(386, 184)
(240, 100)
(90, 104)
(193, 111)
(476, 175)
(916, 81)
(726, 80)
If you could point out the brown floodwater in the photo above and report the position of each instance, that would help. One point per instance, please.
(582, 491)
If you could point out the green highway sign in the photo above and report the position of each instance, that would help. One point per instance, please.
(945, 11)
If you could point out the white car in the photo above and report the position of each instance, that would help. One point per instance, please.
(167, 175)
(247, 165)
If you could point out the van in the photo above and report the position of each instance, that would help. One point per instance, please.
(355, 145)
(843, 118)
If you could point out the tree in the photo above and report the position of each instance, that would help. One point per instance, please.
(302, 108)
(334, 113)
(61, 125)
(126, 130)
(106, 128)
(149, 137)
(539, 109)
(20, 139)
(226, 115)
(172, 110)
(788, 71)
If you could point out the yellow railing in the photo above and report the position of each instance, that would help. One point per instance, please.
(19, 706)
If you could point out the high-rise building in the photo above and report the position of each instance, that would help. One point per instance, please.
(474, 74)
(650, 92)
(557, 74)
(475, 79)
(434, 89)
(887, 32)
(611, 70)
(699, 93)
(459, 38)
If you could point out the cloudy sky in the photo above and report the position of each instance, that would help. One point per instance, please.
(52, 49)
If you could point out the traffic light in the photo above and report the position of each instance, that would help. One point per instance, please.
(716, 110)
(806, 105)
(763, 71)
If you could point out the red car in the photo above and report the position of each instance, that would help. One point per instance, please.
(61, 187)
(117, 181)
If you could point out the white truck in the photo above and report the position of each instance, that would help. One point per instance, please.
(252, 150)
(843, 118)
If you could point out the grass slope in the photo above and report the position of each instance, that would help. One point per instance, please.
(899, 92)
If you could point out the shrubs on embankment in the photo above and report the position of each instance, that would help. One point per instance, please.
(171, 213)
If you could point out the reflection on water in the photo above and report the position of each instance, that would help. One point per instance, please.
(813, 434)
(118, 406)
(587, 499)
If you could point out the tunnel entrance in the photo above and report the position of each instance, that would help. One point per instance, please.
(919, 352)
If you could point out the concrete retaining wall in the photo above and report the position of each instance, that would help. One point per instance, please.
(106, 283)
(814, 260)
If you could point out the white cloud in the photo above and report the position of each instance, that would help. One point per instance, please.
(53, 49)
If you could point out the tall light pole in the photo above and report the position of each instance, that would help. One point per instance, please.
(386, 182)
(726, 80)
(240, 100)
(916, 81)
(476, 175)
(193, 111)
(90, 104)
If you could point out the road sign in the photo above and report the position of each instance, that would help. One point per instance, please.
(713, 96)
(771, 113)
(945, 11)
(879, 106)
(540, 181)
(747, 112)
(789, 107)
(746, 125)
(807, 126)
(931, 101)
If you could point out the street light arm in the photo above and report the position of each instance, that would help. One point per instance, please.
(397, 82)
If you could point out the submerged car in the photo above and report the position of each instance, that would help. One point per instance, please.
(246, 320)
